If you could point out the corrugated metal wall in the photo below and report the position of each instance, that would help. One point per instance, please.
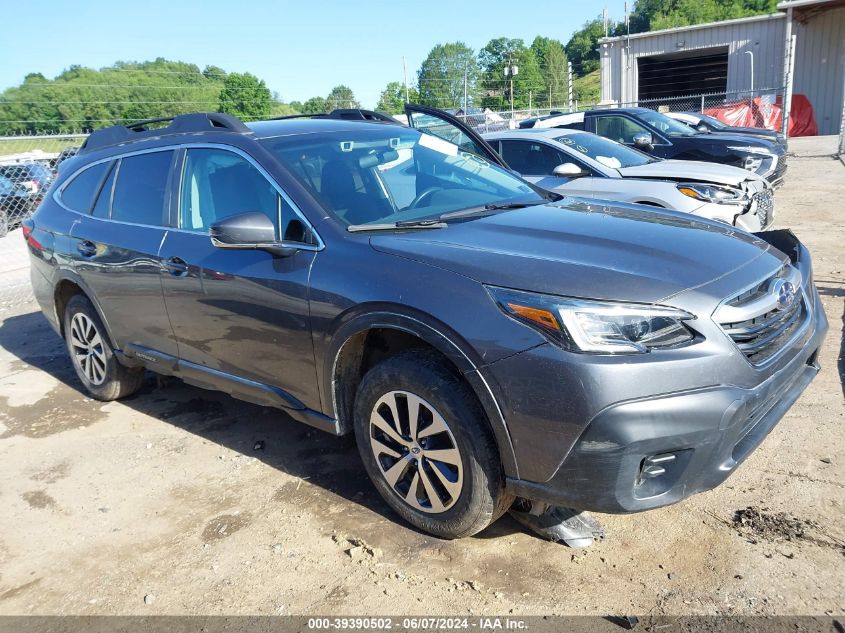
(763, 36)
(819, 64)
(819, 58)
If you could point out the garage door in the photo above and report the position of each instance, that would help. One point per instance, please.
(683, 74)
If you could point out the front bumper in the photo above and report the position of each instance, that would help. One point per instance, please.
(645, 451)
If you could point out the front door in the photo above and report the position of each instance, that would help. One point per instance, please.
(239, 313)
(445, 126)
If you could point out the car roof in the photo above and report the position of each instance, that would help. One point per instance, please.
(287, 127)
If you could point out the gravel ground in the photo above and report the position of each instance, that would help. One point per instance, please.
(166, 504)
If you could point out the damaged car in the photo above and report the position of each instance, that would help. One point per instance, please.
(583, 164)
(490, 345)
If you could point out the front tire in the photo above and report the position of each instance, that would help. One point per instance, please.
(91, 353)
(426, 445)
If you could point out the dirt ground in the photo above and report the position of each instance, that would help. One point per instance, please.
(165, 503)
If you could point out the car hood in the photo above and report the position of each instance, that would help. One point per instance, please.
(754, 131)
(583, 249)
(736, 140)
(686, 170)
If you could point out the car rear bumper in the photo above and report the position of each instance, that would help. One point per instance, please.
(651, 452)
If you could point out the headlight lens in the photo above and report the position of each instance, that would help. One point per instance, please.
(712, 193)
(597, 326)
(750, 149)
(752, 163)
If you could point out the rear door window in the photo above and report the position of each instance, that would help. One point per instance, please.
(79, 193)
(141, 188)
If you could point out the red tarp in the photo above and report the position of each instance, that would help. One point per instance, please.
(763, 112)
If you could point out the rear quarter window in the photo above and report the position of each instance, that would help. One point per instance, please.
(79, 193)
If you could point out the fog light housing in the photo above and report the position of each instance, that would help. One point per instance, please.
(659, 472)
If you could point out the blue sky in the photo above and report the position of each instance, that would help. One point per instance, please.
(301, 49)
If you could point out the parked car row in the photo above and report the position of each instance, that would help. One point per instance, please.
(484, 338)
(664, 137)
(22, 186)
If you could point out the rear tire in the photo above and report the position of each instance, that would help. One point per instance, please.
(91, 353)
(440, 472)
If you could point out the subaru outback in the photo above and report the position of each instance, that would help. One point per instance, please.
(483, 340)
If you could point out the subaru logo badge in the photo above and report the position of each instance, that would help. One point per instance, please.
(784, 293)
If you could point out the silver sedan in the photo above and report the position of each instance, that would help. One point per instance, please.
(579, 163)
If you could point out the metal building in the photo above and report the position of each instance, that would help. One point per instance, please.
(747, 56)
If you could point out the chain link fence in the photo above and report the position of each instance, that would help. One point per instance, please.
(28, 165)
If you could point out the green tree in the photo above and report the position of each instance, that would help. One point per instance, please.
(528, 85)
(214, 72)
(392, 99)
(341, 97)
(551, 57)
(582, 49)
(315, 105)
(246, 96)
(652, 15)
(447, 71)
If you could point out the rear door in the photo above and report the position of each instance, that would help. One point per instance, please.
(115, 246)
(444, 125)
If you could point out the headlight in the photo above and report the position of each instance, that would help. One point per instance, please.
(712, 193)
(750, 149)
(752, 164)
(597, 326)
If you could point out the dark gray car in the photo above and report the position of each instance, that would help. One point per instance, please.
(483, 339)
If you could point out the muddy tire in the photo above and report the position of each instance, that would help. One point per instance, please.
(427, 446)
(91, 353)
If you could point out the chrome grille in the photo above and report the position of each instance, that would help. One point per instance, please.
(757, 323)
(765, 207)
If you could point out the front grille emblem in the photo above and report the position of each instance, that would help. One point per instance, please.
(784, 292)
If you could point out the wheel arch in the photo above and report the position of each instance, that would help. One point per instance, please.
(66, 286)
(366, 338)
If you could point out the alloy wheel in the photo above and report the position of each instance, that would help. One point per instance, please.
(416, 452)
(87, 348)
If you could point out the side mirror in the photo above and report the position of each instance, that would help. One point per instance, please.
(644, 141)
(702, 128)
(249, 231)
(569, 170)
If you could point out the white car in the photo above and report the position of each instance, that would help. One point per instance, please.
(580, 163)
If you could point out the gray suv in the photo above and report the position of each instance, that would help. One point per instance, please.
(484, 340)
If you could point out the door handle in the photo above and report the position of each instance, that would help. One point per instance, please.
(176, 266)
(86, 248)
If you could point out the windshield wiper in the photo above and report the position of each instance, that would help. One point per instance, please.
(404, 224)
(489, 209)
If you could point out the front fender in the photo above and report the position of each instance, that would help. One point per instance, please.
(367, 317)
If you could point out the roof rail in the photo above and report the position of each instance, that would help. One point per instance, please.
(179, 124)
(347, 114)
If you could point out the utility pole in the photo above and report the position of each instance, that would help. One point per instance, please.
(569, 70)
(405, 73)
(466, 71)
(511, 70)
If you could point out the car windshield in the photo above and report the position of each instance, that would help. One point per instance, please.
(377, 174)
(713, 121)
(604, 151)
(665, 125)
